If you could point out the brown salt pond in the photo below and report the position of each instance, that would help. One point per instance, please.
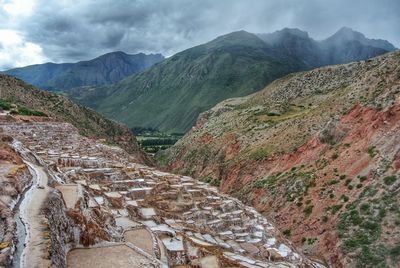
(105, 257)
(69, 193)
(141, 238)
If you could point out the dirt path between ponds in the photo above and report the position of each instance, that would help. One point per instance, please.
(30, 213)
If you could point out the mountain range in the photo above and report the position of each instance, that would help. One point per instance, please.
(147, 91)
(171, 94)
(344, 46)
(104, 70)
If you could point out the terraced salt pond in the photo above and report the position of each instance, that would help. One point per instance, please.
(105, 257)
(141, 238)
(131, 215)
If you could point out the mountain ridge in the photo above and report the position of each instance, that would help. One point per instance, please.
(105, 69)
(170, 95)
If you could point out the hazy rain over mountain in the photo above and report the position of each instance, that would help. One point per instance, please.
(36, 31)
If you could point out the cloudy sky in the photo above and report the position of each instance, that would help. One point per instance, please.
(37, 31)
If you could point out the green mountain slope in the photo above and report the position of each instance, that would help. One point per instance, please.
(106, 69)
(170, 95)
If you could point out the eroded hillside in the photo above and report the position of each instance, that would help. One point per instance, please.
(317, 151)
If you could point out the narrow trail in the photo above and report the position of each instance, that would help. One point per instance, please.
(31, 217)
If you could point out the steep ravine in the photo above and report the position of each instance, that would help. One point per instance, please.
(318, 152)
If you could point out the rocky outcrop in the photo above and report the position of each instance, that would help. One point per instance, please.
(316, 151)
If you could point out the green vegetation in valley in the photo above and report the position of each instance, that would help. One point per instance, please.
(152, 141)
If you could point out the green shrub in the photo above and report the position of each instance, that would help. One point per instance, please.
(332, 182)
(395, 253)
(389, 180)
(350, 187)
(334, 208)
(364, 207)
(273, 113)
(287, 232)
(266, 182)
(311, 241)
(260, 154)
(5, 105)
(355, 217)
(362, 178)
(26, 111)
(308, 210)
(372, 151)
(345, 198)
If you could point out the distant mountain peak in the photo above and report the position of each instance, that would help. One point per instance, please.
(346, 29)
(346, 34)
(235, 35)
(281, 36)
(237, 38)
(293, 31)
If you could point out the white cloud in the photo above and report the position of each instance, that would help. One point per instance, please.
(17, 52)
(68, 31)
(18, 7)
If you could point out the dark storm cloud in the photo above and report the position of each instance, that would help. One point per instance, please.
(87, 28)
